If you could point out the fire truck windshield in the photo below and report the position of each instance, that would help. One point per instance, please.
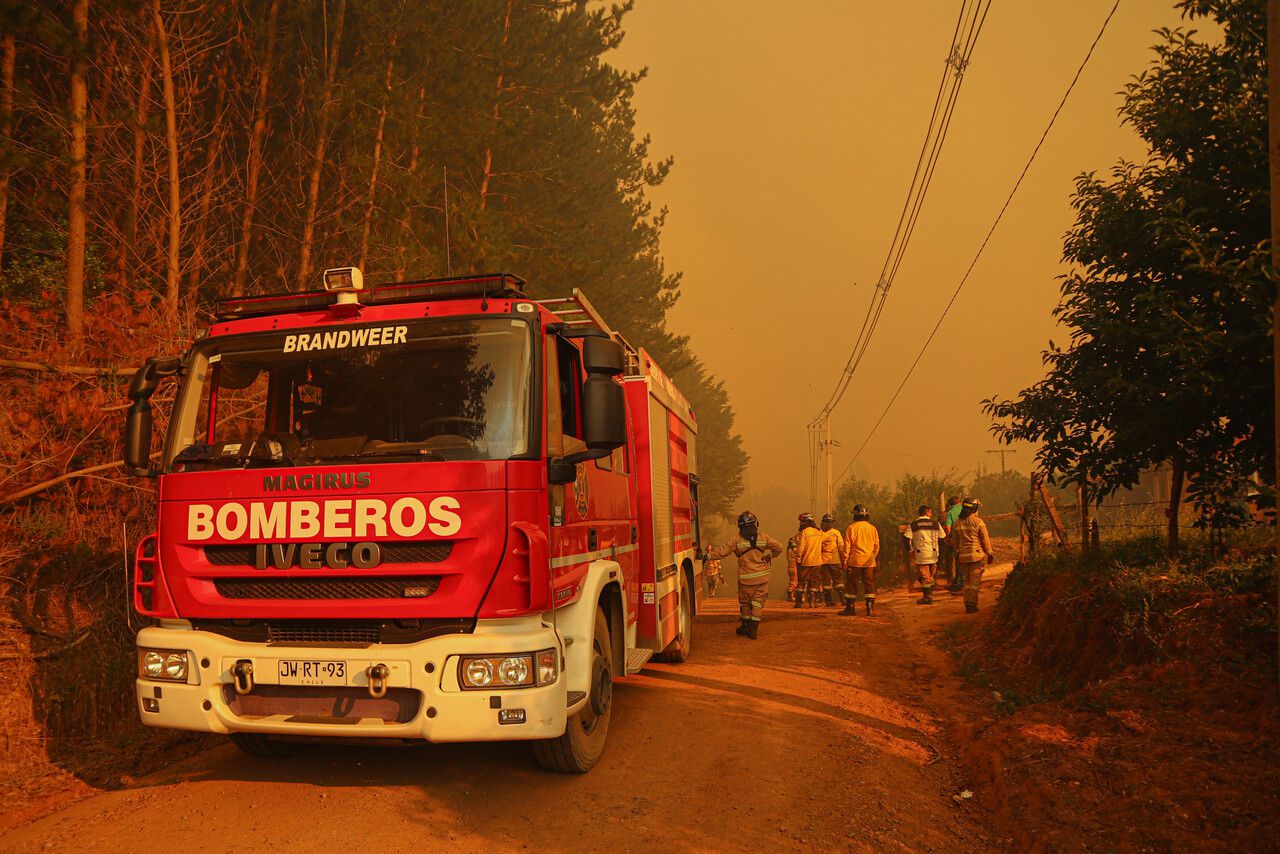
(424, 389)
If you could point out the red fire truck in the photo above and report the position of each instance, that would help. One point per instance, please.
(431, 510)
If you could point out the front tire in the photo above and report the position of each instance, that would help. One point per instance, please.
(580, 748)
(262, 746)
(678, 650)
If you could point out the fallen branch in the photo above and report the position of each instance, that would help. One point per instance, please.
(62, 478)
(49, 653)
(40, 367)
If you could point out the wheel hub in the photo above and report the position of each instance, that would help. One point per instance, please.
(601, 686)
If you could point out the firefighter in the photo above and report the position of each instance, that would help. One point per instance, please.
(947, 559)
(715, 577)
(972, 543)
(832, 557)
(925, 536)
(808, 560)
(793, 567)
(755, 551)
(861, 556)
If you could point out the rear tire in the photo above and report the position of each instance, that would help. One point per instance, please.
(580, 748)
(678, 650)
(262, 746)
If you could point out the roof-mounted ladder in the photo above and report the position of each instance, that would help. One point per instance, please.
(576, 311)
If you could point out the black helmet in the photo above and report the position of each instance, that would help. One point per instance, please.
(828, 518)
(971, 504)
(747, 519)
(860, 512)
(806, 520)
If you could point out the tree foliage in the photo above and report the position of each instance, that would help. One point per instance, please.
(1168, 298)
(427, 138)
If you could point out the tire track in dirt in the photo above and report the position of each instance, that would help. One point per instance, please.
(822, 734)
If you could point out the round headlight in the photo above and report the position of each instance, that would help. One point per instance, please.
(513, 671)
(479, 672)
(153, 664)
(175, 665)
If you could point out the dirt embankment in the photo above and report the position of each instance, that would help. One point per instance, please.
(1127, 709)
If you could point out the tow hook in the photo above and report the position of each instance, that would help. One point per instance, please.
(378, 674)
(242, 673)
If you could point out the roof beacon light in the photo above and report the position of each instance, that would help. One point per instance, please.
(346, 282)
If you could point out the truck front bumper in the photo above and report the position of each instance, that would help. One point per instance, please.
(423, 698)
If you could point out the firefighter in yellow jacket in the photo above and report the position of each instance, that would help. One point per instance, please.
(832, 557)
(808, 560)
(755, 551)
(861, 556)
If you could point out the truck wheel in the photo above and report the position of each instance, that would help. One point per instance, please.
(678, 650)
(264, 746)
(579, 749)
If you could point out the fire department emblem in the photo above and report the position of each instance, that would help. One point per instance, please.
(581, 491)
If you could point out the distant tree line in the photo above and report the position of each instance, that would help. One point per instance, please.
(1168, 300)
(186, 150)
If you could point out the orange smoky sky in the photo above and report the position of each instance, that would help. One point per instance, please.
(795, 127)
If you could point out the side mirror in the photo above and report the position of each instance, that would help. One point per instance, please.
(604, 413)
(137, 439)
(603, 356)
(137, 425)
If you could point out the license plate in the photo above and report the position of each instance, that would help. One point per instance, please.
(293, 671)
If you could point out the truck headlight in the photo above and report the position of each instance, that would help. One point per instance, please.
(166, 665)
(521, 670)
(476, 673)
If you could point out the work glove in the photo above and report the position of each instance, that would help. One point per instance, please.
(991, 559)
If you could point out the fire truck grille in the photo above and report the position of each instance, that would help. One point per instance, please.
(328, 632)
(433, 551)
(393, 587)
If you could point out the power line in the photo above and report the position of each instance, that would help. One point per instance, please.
(999, 216)
(963, 40)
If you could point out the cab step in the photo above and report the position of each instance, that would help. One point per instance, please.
(637, 659)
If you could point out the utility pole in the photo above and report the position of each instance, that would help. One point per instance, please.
(1002, 452)
(1273, 150)
(824, 446)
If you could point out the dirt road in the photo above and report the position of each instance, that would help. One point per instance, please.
(822, 734)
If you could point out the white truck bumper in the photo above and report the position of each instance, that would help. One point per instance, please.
(423, 700)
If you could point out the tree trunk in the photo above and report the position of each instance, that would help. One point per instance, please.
(7, 63)
(1083, 498)
(402, 250)
(129, 252)
(377, 157)
(317, 159)
(171, 142)
(253, 169)
(76, 196)
(1177, 472)
(487, 173)
(221, 124)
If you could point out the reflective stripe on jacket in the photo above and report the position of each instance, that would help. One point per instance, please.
(970, 539)
(753, 562)
(925, 534)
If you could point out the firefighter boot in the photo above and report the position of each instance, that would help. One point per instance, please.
(928, 596)
(753, 628)
(971, 607)
(870, 602)
(799, 597)
(742, 627)
(826, 596)
(848, 608)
